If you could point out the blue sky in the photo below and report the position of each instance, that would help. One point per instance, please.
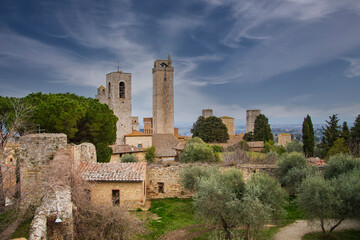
(288, 58)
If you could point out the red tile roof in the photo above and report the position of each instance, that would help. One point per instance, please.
(115, 172)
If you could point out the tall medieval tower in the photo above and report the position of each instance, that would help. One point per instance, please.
(117, 95)
(163, 97)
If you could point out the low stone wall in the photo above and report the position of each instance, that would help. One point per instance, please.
(54, 205)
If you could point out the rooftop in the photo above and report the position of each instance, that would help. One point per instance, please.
(115, 172)
(126, 149)
(137, 133)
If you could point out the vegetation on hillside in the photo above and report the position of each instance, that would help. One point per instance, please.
(196, 150)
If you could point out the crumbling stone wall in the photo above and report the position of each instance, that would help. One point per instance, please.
(35, 153)
(54, 205)
(83, 153)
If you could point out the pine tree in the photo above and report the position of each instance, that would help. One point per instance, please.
(330, 133)
(355, 137)
(345, 134)
(308, 137)
(262, 130)
(210, 130)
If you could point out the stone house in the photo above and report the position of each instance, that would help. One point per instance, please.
(121, 150)
(122, 184)
(138, 139)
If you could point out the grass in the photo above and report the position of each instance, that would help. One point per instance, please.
(339, 235)
(22, 231)
(7, 217)
(173, 214)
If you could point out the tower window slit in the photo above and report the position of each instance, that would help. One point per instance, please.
(121, 90)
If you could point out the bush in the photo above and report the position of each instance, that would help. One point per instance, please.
(150, 154)
(217, 148)
(236, 157)
(127, 158)
(197, 151)
(294, 146)
(291, 160)
(190, 175)
(271, 157)
(340, 164)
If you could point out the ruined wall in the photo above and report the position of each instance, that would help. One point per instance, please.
(35, 153)
(53, 205)
(132, 194)
(83, 153)
(169, 176)
(250, 119)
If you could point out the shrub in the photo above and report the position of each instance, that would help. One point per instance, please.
(217, 148)
(197, 151)
(236, 157)
(291, 160)
(127, 158)
(271, 157)
(150, 154)
(340, 164)
(190, 175)
(294, 146)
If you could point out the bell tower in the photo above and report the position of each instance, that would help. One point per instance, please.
(163, 97)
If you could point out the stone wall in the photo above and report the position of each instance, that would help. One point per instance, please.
(35, 153)
(169, 178)
(132, 194)
(54, 205)
(83, 153)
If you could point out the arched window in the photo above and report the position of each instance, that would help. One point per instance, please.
(122, 90)
(109, 90)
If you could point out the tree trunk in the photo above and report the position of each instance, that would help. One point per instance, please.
(225, 226)
(322, 225)
(336, 225)
(2, 193)
(247, 232)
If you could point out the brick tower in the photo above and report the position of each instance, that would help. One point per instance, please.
(163, 97)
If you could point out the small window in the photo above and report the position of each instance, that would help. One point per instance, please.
(87, 194)
(140, 145)
(122, 90)
(109, 90)
(11, 159)
(161, 187)
(116, 197)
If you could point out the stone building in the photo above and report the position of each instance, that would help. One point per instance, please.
(207, 113)
(121, 184)
(284, 138)
(229, 123)
(120, 150)
(250, 119)
(135, 123)
(138, 139)
(148, 125)
(117, 95)
(163, 97)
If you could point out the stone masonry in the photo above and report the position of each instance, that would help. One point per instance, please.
(230, 125)
(250, 119)
(36, 151)
(207, 113)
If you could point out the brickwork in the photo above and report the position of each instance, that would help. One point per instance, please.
(35, 153)
(132, 194)
(118, 98)
(250, 119)
(284, 138)
(163, 97)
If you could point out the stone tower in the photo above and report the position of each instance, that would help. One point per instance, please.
(117, 95)
(163, 97)
(229, 123)
(207, 113)
(250, 119)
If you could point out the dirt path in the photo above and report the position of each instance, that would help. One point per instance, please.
(9, 230)
(299, 228)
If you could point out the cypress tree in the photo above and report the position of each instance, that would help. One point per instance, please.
(308, 137)
(355, 137)
(262, 130)
(345, 134)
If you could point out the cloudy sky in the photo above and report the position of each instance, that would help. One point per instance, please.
(288, 58)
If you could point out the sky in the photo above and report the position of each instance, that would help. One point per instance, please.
(288, 58)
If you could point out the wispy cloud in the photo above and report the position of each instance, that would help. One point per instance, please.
(354, 68)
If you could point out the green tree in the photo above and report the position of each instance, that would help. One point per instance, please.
(294, 146)
(331, 133)
(150, 154)
(190, 176)
(262, 130)
(210, 130)
(340, 164)
(249, 136)
(355, 137)
(128, 158)
(308, 137)
(81, 119)
(338, 147)
(345, 134)
(196, 150)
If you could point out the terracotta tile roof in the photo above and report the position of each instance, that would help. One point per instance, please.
(115, 172)
(137, 133)
(126, 149)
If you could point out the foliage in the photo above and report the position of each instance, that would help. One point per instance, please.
(294, 146)
(242, 145)
(262, 130)
(217, 148)
(190, 175)
(197, 151)
(272, 157)
(338, 147)
(237, 156)
(81, 119)
(355, 137)
(331, 133)
(340, 164)
(249, 136)
(210, 129)
(291, 160)
(345, 134)
(339, 235)
(150, 154)
(308, 137)
(128, 158)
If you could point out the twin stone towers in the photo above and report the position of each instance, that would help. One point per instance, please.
(117, 95)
